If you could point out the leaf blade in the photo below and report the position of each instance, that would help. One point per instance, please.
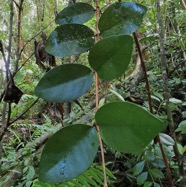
(73, 153)
(121, 18)
(120, 125)
(114, 58)
(64, 83)
(69, 39)
(76, 13)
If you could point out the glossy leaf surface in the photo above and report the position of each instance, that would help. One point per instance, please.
(76, 13)
(110, 56)
(64, 83)
(121, 18)
(68, 153)
(70, 39)
(127, 127)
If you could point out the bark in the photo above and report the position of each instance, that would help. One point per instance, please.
(183, 4)
(19, 18)
(7, 66)
(179, 157)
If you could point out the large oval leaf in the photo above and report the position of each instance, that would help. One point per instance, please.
(127, 127)
(68, 153)
(76, 13)
(64, 83)
(110, 56)
(70, 39)
(121, 18)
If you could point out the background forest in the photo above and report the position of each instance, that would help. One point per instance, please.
(153, 80)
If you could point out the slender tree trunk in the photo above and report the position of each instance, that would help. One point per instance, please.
(167, 94)
(19, 17)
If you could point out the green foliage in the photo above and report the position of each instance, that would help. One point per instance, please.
(91, 177)
(121, 18)
(63, 41)
(115, 55)
(135, 133)
(76, 13)
(109, 58)
(124, 127)
(74, 152)
(65, 83)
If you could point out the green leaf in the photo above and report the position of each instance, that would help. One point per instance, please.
(38, 183)
(156, 184)
(68, 153)
(147, 184)
(156, 173)
(76, 13)
(142, 178)
(117, 94)
(70, 39)
(121, 18)
(31, 173)
(181, 127)
(181, 149)
(175, 101)
(127, 127)
(110, 56)
(138, 168)
(64, 83)
(166, 139)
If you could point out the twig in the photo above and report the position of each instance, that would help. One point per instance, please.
(144, 71)
(16, 3)
(28, 41)
(175, 68)
(17, 118)
(166, 91)
(150, 105)
(2, 51)
(97, 98)
(23, 64)
(4, 127)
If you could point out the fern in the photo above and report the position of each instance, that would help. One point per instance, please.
(91, 177)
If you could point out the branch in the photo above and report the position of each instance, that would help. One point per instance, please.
(183, 4)
(25, 111)
(5, 126)
(20, 8)
(34, 38)
(2, 51)
(98, 37)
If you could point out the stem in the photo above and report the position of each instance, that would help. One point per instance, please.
(144, 71)
(150, 106)
(33, 38)
(24, 111)
(97, 98)
(20, 8)
(166, 91)
(56, 7)
(4, 128)
(97, 90)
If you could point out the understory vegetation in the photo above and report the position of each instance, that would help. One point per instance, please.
(93, 93)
